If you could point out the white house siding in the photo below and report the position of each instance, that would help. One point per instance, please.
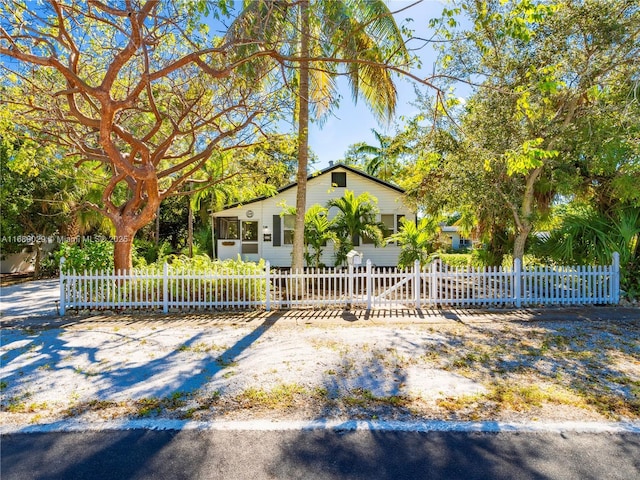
(319, 191)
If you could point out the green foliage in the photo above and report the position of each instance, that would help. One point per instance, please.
(416, 242)
(356, 218)
(381, 161)
(89, 257)
(587, 236)
(202, 264)
(553, 111)
(147, 251)
(317, 232)
(456, 260)
(528, 157)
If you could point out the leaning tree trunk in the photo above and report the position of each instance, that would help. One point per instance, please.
(297, 261)
(524, 217)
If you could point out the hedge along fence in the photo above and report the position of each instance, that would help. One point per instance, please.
(257, 286)
(164, 288)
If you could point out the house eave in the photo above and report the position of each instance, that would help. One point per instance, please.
(310, 177)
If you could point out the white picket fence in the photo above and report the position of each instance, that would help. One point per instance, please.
(436, 285)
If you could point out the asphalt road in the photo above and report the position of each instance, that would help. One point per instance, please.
(319, 454)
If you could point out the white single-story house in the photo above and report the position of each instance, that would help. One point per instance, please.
(258, 229)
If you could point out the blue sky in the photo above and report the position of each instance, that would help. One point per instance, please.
(351, 123)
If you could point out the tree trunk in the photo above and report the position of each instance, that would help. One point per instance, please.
(521, 240)
(157, 235)
(524, 218)
(190, 227)
(37, 267)
(297, 261)
(122, 249)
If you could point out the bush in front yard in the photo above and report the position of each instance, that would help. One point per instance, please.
(90, 257)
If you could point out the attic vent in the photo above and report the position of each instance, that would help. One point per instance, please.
(339, 179)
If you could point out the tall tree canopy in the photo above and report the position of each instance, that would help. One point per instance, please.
(541, 74)
(135, 89)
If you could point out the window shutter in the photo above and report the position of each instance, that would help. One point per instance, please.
(277, 231)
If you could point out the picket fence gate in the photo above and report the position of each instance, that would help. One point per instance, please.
(436, 285)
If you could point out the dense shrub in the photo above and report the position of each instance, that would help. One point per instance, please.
(147, 252)
(203, 264)
(90, 257)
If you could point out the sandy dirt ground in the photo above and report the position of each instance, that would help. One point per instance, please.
(554, 365)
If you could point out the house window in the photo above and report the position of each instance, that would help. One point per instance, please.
(465, 242)
(228, 228)
(250, 231)
(288, 224)
(339, 179)
(389, 221)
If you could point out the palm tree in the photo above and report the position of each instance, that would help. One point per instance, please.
(362, 37)
(416, 241)
(380, 158)
(317, 232)
(356, 218)
(587, 236)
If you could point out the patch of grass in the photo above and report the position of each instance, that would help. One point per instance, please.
(19, 406)
(226, 362)
(614, 406)
(202, 347)
(321, 392)
(362, 397)
(280, 396)
(146, 407)
(522, 397)
(513, 397)
(90, 406)
(86, 373)
(3, 385)
(469, 359)
(176, 400)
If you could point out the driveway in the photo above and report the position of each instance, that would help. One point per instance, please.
(30, 299)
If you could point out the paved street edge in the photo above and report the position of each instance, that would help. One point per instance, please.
(331, 425)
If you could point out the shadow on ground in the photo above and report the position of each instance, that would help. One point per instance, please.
(168, 373)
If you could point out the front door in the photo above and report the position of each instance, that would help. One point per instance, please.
(249, 249)
(235, 237)
(228, 235)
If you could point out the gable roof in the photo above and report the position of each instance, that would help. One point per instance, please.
(317, 174)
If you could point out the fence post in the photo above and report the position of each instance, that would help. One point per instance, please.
(416, 283)
(517, 282)
(267, 267)
(432, 283)
(350, 300)
(165, 288)
(369, 284)
(615, 278)
(63, 300)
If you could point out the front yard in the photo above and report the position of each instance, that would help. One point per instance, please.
(257, 367)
